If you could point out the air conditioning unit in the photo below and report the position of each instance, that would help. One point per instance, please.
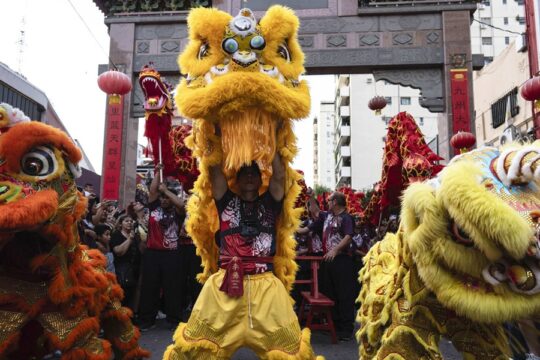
(509, 134)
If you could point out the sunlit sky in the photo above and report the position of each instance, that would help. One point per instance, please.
(60, 56)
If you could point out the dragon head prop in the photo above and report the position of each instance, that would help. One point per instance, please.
(157, 98)
(473, 232)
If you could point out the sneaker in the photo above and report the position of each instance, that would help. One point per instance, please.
(160, 316)
(343, 337)
(146, 327)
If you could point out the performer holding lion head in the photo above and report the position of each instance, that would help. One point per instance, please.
(243, 90)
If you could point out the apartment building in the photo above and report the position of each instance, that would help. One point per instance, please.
(360, 134)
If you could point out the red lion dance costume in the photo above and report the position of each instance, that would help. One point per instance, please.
(55, 295)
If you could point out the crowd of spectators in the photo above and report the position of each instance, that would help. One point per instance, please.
(341, 240)
(147, 247)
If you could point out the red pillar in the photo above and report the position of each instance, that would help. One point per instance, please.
(532, 44)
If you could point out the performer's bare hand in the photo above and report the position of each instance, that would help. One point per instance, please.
(162, 187)
(329, 256)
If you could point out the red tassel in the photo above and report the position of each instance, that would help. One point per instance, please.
(233, 281)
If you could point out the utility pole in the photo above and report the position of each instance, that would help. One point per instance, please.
(21, 45)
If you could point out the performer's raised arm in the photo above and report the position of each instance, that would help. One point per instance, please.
(277, 181)
(217, 177)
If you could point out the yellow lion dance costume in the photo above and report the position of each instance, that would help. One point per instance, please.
(465, 260)
(244, 77)
(55, 295)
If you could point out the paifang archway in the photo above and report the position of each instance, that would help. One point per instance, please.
(411, 43)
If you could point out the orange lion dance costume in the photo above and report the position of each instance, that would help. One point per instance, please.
(55, 295)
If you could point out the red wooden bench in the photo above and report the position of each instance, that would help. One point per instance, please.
(320, 306)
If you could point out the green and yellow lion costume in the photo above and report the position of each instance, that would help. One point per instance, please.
(465, 260)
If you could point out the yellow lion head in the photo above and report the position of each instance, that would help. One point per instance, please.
(473, 233)
(234, 63)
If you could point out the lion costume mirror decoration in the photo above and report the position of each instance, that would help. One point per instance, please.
(465, 260)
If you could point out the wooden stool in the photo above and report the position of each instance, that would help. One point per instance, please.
(320, 306)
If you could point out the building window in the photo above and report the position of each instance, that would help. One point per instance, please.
(388, 100)
(520, 2)
(507, 40)
(486, 2)
(488, 60)
(486, 20)
(405, 100)
(487, 41)
(505, 21)
(369, 80)
(520, 20)
(386, 119)
(504, 2)
(421, 121)
(499, 111)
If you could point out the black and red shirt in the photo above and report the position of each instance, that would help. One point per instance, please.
(266, 210)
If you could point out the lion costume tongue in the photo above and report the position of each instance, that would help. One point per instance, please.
(244, 77)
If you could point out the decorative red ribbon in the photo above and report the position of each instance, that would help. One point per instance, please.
(233, 281)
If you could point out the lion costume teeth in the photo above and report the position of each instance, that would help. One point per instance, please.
(464, 261)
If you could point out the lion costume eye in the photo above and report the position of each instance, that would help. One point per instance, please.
(284, 52)
(230, 45)
(460, 236)
(75, 169)
(203, 51)
(257, 43)
(40, 162)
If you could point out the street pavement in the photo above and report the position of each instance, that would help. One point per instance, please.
(157, 339)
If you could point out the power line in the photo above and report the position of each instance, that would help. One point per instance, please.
(93, 36)
(498, 28)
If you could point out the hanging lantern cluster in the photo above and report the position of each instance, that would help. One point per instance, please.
(376, 104)
(531, 91)
(114, 83)
(463, 141)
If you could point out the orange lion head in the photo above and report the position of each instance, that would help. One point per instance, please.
(38, 167)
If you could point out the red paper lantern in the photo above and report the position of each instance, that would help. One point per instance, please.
(377, 103)
(463, 141)
(114, 82)
(531, 91)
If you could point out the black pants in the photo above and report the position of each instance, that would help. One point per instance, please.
(161, 271)
(191, 266)
(338, 284)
